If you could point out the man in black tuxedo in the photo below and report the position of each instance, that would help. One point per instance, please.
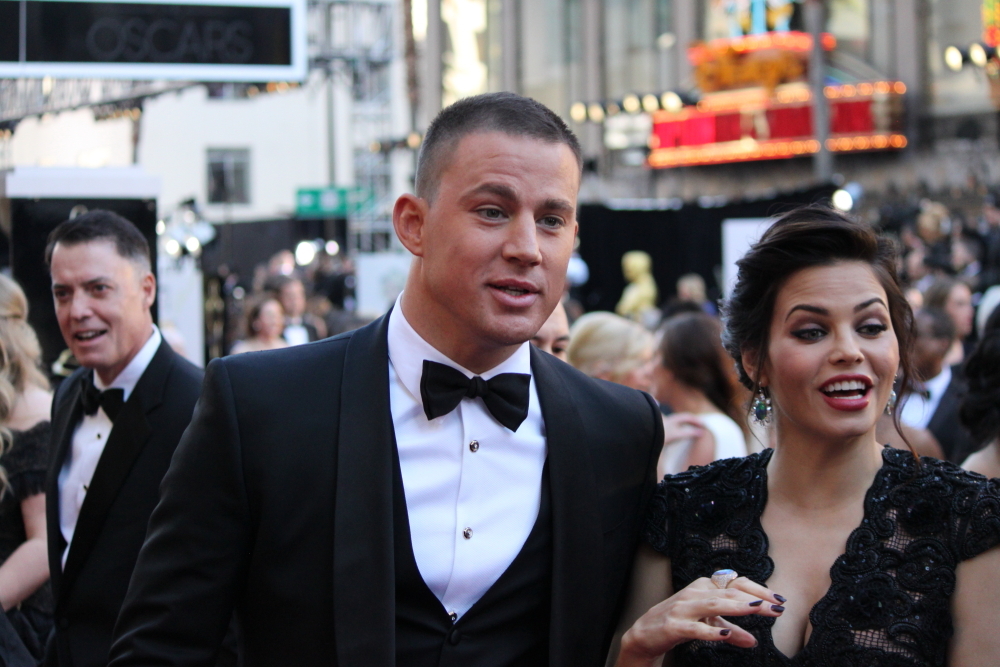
(116, 422)
(426, 490)
(935, 406)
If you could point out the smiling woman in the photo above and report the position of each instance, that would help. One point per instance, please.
(873, 567)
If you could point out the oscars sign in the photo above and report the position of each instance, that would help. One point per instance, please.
(195, 40)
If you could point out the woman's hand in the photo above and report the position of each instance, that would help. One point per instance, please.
(695, 612)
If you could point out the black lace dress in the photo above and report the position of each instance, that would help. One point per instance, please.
(889, 601)
(25, 463)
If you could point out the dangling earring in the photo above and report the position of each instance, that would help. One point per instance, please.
(762, 407)
(891, 405)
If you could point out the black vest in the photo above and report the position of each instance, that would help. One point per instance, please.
(508, 626)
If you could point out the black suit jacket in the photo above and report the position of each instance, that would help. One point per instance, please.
(945, 424)
(123, 492)
(279, 504)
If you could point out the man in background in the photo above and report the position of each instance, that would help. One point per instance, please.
(115, 423)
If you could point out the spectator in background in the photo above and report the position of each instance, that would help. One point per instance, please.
(265, 324)
(300, 326)
(610, 347)
(25, 431)
(553, 337)
(955, 298)
(691, 287)
(693, 376)
(980, 411)
(934, 404)
(989, 230)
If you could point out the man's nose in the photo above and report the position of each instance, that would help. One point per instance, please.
(521, 243)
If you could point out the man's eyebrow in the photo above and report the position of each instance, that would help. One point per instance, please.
(498, 189)
(89, 283)
(823, 311)
(560, 205)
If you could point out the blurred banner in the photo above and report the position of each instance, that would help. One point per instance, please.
(227, 40)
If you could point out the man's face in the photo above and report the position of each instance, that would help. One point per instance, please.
(928, 351)
(293, 298)
(102, 302)
(553, 337)
(496, 240)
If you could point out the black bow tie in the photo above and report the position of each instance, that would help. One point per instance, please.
(93, 398)
(442, 388)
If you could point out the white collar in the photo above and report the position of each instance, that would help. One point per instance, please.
(938, 384)
(408, 349)
(130, 375)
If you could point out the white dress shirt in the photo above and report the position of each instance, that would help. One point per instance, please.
(89, 439)
(295, 332)
(473, 487)
(917, 411)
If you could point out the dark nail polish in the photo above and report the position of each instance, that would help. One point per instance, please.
(780, 598)
(777, 607)
(756, 603)
(725, 632)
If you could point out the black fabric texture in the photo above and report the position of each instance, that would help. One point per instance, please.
(889, 600)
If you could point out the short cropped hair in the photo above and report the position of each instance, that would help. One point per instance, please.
(939, 324)
(101, 225)
(491, 112)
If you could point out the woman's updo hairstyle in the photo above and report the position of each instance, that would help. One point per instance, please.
(807, 237)
(980, 411)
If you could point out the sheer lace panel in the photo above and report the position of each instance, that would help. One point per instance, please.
(889, 600)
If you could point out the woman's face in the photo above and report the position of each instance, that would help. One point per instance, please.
(959, 309)
(271, 321)
(833, 353)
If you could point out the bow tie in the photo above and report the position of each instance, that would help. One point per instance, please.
(442, 388)
(93, 398)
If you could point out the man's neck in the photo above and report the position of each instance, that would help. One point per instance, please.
(441, 334)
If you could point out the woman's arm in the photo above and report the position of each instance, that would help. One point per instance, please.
(975, 607)
(650, 584)
(28, 567)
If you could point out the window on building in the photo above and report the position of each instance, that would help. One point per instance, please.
(228, 176)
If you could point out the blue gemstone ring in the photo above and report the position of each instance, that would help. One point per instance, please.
(721, 578)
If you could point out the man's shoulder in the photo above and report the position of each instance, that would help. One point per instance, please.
(585, 391)
(296, 360)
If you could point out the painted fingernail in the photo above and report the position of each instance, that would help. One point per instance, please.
(780, 598)
(777, 607)
(756, 603)
(725, 632)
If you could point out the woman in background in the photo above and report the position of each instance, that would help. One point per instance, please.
(955, 298)
(265, 324)
(980, 411)
(609, 347)
(692, 377)
(25, 403)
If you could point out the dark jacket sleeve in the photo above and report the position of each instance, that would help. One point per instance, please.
(189, 573)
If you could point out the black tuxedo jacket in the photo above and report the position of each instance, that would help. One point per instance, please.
(945, 424)
(123, 492)
(279, 504)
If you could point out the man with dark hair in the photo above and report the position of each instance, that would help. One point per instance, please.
(426, 490)
(934, 406)
(300, 326)
(116, 422)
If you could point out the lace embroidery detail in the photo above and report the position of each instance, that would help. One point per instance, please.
(888, 602)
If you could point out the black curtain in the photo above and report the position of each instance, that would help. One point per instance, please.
(685, 240)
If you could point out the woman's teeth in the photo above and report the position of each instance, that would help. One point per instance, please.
(846, 388)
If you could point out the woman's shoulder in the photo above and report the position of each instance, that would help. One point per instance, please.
(31, 407)
(726, 472)
(938, 497)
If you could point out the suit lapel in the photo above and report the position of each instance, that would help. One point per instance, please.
(128, 436)
(364, 576)
(64, 422)
(577, 572)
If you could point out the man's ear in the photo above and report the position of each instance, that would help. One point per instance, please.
(409, 216)
(148, 289)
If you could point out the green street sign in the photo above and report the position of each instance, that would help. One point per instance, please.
(330, 202)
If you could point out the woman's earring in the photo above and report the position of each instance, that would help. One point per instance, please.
(762, 407)
(891, 405)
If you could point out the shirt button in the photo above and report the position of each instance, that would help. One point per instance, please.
(467, 533)
(453, 616)
(474, 446)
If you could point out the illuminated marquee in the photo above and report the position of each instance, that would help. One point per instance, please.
(748, 125)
